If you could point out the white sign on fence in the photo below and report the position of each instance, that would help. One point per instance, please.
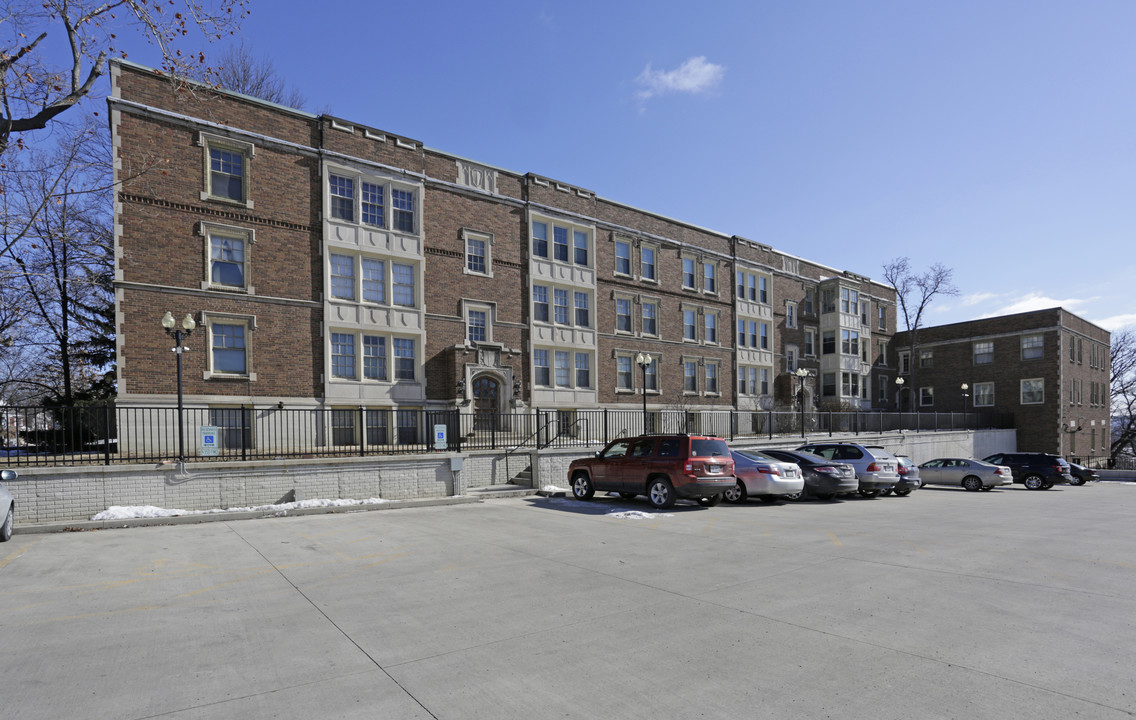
(210, 441)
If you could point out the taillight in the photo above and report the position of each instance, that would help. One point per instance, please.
(874, 467)
(768, 470)
(827, 469)
(997, 471)
(902, 470)
(689, 467)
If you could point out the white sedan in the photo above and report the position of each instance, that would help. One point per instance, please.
(973, 475)
(7, 505)
(764, 477)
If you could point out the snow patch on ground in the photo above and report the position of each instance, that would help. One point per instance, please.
(554, 489)
(126, 512)
(637, 515)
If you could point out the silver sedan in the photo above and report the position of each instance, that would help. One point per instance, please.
(973, 475)
(764, 477)
(7, 506)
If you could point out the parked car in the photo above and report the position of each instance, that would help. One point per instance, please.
(1082, 474)
(1037, 471)
(908, 477)
(824, 479)
(875, 466)
(7, 505)
(764, 477)
(973, 475)
(662, 467)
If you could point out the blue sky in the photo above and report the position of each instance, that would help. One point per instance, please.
(996, 136)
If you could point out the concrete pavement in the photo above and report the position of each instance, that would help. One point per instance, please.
(944, 604)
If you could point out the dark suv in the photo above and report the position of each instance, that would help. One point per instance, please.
(1037, 471)
(662, 467)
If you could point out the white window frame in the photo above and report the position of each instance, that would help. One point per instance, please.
(246, 149)
(571, 229)
(689, 376)
(486, 239)
(629, 387)
(791, 356)
(207, 230)
(712, 378)
(615, 249)
(1022, 391)
(975, 354)
(710, 277)
(388, 184)
(653, 302)
(629, 315)
(790, 314)
(710, 328)
(1037, 352)
(209, 319)
(490, 310)
(692, 274)
(654, 250)
(926, 396)
(810, 340)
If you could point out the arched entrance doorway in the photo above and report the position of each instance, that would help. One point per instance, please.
(486, 401)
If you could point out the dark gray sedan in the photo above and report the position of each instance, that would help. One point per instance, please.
(973, 475)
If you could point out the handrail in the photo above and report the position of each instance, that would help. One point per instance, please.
(510, 451)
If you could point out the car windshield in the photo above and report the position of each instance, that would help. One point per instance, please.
(707, 447)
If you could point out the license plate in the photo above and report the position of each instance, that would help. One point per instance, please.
(714, 469)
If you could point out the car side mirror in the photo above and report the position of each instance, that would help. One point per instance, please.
(598, 453)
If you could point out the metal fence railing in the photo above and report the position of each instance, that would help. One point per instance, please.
(106, 434)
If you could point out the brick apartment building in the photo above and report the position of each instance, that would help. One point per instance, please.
(330, 264)
(1048, 368)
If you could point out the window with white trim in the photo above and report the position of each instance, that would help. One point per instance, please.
(652, 376)
(623, 258)
(984, 394)
(790, 314)
(358, 198)
(342, 269)
(763, 340)
(571, 242)
(477, 325)
(226, 169)
(690, 376)
(810, 342)
(849, 342)
(904, 361)
(828, 342)
(343, 355)
(374, 357)
(790, 358)
(881, 317)
(583, 370)
(405, 365)
(542, 375)
(763, 290)
(650, 318)
(1033, 391)
(624, 379)
(711, 379)
(227, 248)
(983, 352)
(711, 334)
(687, 273)
(850, 384)
(563, 376)
(540, 303)
(689, 329)
(648, 259)
(374, 280)
(583, 316)
(402, 284)
(926, 358)
(1033, 347)
(709, 278)
(478, 253)
(228, 348)
(926, 396)
(560, 306)
(623, 315)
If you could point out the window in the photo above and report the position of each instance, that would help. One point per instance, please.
(560, 306)
(1032, 347)
(374, 280)
(342, 191)
(764, 381)
(343, 427)
(741, 333)
(764, 336)
(623, 315)
(926, 358)
(650, 313)
(580, 247)
(583, 370)
(623, 377)
(343, 355)
(582, 315)
(541, 374)
(652, 378)
(850, 384)
(688, 273)
(741, 284)
(689, 332)
(881, 352)
(647, 263)
(711, 335)
(828, 342)
(232, 426)
(540, 239)
(926, 396)
(226, 260)
(560, 243)
(378, 424)
(540, 303)
(983, 353)
(227, 161)
(374, 357)
(828, 384)
(1080, 350)
(849, 343)
(904, 362)
(373, 204)
(404, 365)
(882, 389)
(407, 426)
(690, 376)
(849, 301)
(790, 315)
(1033, 391)
(342, 276)
(476, 326)
(712, 378)
(228, 345)
(809, 309)
(763, 290)
(810, 343)
(622, 257)
(709, 278)
(790, 358)
(753, 333)
(476, 254)
(751, 283)
(403, 284)
(882, 317)
(563, 378)
(402, 208)
(828, 300)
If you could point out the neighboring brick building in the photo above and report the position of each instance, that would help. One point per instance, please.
(1049, 368)
(334, 265)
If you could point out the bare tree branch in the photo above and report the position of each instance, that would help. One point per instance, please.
(914, 292)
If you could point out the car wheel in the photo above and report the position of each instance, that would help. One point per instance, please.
(1077, 480)
(710, 501)
(627, 495)
(902, 492)
(661, 494)
(972, 483)
(6, 528)
(869, 493)
(737, 493)
(1033, 482)
(888, 491)
(582, 487)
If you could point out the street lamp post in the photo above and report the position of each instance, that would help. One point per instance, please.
(899, 394)
(644, 362)
(963, 388)
(179, 334)
(801, 374)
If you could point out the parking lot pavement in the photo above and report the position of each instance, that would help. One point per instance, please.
(944, 604)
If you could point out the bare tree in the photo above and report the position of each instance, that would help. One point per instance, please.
(35, 90)
(1123, 395)
(239, 70)
(913, 293)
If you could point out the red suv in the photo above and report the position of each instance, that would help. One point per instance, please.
(662, 467)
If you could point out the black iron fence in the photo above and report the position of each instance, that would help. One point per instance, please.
(106, 434)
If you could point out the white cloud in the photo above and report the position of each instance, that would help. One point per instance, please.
(1118, 322)
(976, 298)
(696, 75)
(1037, 301)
